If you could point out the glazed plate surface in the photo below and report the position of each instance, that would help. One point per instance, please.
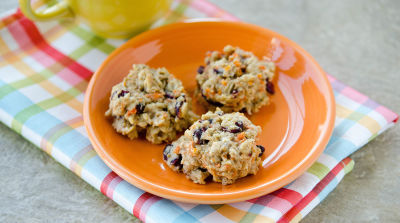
(296, 126)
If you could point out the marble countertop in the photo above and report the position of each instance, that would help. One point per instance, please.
(356, 41)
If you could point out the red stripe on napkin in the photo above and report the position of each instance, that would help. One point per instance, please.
(106, 182)
(143, 204)
(314, 193)
(37, 39)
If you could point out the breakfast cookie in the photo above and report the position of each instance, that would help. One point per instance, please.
(152, 102)
(235, 80)
(222, 146)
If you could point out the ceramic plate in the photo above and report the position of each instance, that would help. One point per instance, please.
(296, 126)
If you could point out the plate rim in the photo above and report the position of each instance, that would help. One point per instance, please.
(184, 196)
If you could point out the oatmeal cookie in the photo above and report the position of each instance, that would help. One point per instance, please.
(152, 102)
(222, 146)
(235, 80)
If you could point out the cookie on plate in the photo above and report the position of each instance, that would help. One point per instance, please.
(235, 80)
(222, 146)
(152, 102)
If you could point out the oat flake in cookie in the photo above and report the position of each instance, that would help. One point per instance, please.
(150, 101)
(222, 146)
(235, 80)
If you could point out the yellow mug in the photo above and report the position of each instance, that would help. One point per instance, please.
(108, 18)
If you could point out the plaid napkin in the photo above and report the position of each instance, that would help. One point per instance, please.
(45, 68)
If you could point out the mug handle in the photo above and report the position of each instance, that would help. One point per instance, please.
(58, 10)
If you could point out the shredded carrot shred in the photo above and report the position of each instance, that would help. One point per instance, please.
(132, 112)
(262, 67)
(209, 91)
(227, 68)
(240, 136)
(237, 63)
(177, 149)
(259, 75)
(223, 82)
(156, 95)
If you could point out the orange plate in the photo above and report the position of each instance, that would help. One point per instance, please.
(296, 126)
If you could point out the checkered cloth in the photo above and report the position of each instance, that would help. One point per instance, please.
(45, 68)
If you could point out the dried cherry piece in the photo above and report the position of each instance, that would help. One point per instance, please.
(262, 150)
(197, 136)
(200, 70)
(122, 93)
(178, 106)
(140, 108)
(169, 95)
(217, 71)
(239, 124)
(270, 87)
